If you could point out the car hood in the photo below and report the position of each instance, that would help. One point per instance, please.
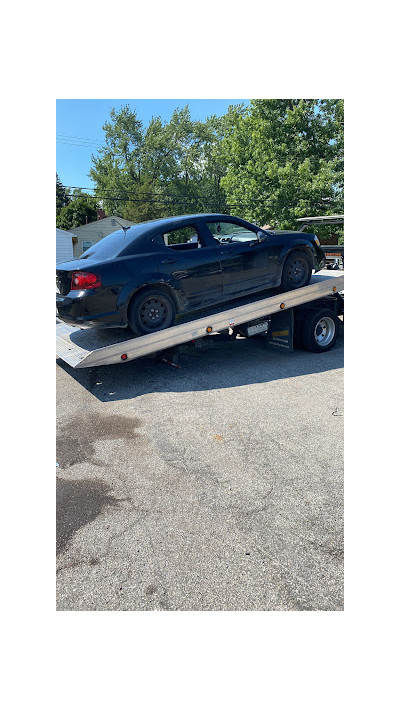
(292, 233)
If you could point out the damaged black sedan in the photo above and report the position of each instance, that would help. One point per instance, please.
(143, 276)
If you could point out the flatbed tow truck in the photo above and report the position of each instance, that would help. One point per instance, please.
(334, 253)
(309, 316)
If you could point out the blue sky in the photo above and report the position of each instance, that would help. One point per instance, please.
(80, 133)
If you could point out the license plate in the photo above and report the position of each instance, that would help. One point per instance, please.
(57, 290)
(258, 328)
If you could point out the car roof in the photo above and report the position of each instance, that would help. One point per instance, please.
(167, 221)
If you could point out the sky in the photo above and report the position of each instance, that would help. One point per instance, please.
(80, 133)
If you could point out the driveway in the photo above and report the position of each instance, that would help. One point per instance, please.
(215, 486)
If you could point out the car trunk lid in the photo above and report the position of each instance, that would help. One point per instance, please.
(64, 272)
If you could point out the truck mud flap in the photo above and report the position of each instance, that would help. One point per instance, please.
(280, 332)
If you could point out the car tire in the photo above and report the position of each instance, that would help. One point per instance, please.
(150, 311)
(319, 330)
(296, 271)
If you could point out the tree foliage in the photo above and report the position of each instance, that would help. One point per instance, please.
(142, 168)
(81, 209)
(62, 198)
(284, 159)
(270, 162)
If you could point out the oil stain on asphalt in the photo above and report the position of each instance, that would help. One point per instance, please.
(76, 438)
(79, 501)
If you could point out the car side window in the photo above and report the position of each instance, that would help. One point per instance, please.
(183, 238)
(230, 232)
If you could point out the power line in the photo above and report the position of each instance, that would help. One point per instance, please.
(78, 145)
(298, 160)
(206, 201)
(79, 138)
(172, 201)
(178, 196)
(152, 194)
(92, 143)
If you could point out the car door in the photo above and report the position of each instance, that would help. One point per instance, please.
(247, 263)
(191, 265)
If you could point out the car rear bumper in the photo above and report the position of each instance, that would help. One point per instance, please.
(74, 309)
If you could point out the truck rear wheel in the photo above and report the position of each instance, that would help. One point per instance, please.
(320, 330)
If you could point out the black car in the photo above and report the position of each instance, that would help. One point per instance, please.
(143, 276)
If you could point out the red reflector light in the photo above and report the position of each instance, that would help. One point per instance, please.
(124, 356)
(84, 280)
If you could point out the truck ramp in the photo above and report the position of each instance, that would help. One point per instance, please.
(83, 348)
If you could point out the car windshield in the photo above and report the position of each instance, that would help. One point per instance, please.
(112, 245)
(225, 231)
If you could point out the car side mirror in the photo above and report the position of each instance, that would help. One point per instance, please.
(261, 236)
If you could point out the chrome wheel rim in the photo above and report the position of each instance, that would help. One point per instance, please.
(324, 331)
(298, 271)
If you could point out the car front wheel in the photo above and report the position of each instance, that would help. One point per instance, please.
(297, 271)
(152, 310)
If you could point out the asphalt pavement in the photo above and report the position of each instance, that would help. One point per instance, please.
(215, 486)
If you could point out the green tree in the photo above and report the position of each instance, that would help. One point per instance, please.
(62, 198)
(117, 169)
(284, 159)
(273, 161)
(81, 209)
(159, 171)
(143, 204)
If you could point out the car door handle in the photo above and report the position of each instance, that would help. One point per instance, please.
(168, 261)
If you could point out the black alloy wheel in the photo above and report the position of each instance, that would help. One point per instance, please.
(297, 271)
(151, 311)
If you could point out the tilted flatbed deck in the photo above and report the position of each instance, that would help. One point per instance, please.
(84, 348)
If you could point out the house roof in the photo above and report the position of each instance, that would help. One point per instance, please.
(65, 232)
(107, 221)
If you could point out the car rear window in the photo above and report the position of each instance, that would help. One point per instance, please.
(111, 246)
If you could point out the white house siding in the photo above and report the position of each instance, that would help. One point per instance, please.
(64, 246)
(95, 231)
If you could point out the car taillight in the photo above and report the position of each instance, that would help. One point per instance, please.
(84, 280)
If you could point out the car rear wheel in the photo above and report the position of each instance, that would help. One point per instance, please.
(152, 310)
(297, 271)
(320, 330)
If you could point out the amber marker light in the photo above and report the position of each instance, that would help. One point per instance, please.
(209, 329)
(282, 306)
